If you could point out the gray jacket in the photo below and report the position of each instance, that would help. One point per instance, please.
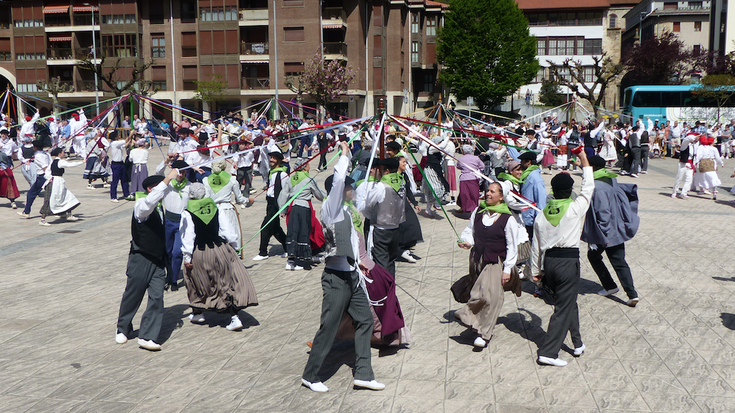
(613, 216)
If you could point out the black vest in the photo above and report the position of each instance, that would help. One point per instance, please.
(149, 239)
(684, 155)
(207, 235)
(28, 152)
(490, 242)
(55, 170)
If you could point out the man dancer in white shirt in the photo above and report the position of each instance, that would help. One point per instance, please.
(685, 167)
(42, 161)
(117, 158)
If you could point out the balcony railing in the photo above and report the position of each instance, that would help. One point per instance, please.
(249, 83)
(67, 53)
(254, 14)
(254, 48)
(334, 13)
(338, 48)
(85, 85)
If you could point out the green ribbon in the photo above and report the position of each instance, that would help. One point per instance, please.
(356, 221)
(298, 176)
(219, 180)
(501, 208)
(204, 208)
(555, 210)
(604, 173)
(393, 180)
(527, 172)
(276, 170)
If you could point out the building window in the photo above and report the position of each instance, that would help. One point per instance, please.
(293, 68)
(30, 56)
(613, 21)
(188, 44)
(697, 26)
(671, 5)
(429, 82)
(215, 14)
(541, 47)
(695, 4)
(677, 27)
(190, 77)
(593, 46)
(27, 88)
(28, 23)
(159, 85)
(118, 19)
(415, 23)
(552, 47)
(414, 52)
(188, 11)
(158, 45)
(564, 74)
(431, 25)
(155, 12)
(540, 76)
(293, 3)
(119, 45)
(589, 74)
(696, 50)
(293, 34)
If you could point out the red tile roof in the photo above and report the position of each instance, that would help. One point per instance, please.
(562, 4)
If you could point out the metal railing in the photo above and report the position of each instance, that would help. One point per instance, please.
(339, 48)
(255, 83)
(254, 48)
(60, 53)
(334, 13)
(86, 85)
(254, 14)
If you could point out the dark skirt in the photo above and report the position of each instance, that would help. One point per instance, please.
(469, 195)
(298, 230)
(219, 280)
(410, 229)
(140, 173)
(94, 169)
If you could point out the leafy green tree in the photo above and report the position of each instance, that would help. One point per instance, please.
(486, 50)
(718, 89)
(211, 91)
(549, 94)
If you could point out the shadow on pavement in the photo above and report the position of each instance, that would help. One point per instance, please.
(728, 320)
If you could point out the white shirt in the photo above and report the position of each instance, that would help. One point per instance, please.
(144, 207)
(42, 160)
(63, 163)
(569, 230)
(244, 160)
(27, 128)
(334, 210)
(188, 234)
(115, 151)
(512, 232)
(174, 201)
(77, 126)
(8, 147)
(139, 156)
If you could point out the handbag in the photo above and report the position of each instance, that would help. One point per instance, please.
(707, 165)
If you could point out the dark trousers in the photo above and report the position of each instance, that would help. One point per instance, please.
(529, 231)
(118, 175)
(173, 249)
(271, 230)
(644, 157)
(322, 158)
(305, 143)
(356, 148)
(201, 176)
(635, 160)
(245, 179)
(341, 292)
(616, 255)
(298, 231)
(385, 248)
(143, 275)
(561, 275)
(33, 193)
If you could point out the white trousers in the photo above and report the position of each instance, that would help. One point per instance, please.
(685, 175)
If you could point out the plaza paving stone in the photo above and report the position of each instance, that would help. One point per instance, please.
(60, 287)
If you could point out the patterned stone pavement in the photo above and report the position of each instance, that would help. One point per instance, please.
(60, 288)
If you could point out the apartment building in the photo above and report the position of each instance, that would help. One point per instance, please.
(256, 46)
(689, 20)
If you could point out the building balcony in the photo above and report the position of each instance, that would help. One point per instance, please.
(335, 50)
(254, 51)
(334, 18)
(69, 56)
(69, 28)
(255, 83)
(254, 17)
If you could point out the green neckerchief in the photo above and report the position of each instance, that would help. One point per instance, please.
(276, 170)
(298, 176)
(219, 180)
(527, 172)
(508, 177)
(204, 208)
(555, 210)
(393, 180)
(604, 173)
(370, 179)
(356, 221)
(140, 195)
(178, 186)
(501, 208)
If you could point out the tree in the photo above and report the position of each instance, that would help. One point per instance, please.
(324, 80)
(549, 94)
(211, 91)
(53, 88)
(486, 50)
(661, 60)
(132, 82)
(571, 73)
(717, 88)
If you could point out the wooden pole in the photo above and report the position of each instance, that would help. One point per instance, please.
(381, 134)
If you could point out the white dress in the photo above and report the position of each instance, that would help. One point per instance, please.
(607, 152)
(223, 200)
(707, 180)
(61, 199)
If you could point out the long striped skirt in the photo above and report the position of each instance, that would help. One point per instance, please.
(219, 280)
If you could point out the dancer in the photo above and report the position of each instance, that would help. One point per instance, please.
(42, 161)
(116, 153)
(146, 266)
(8, 187)
(493, 235)
(215, 277)
(533, 188)
(174, 203)
(705, 162)
(469, 182)
(139, 158)
(410, 229)
(555, 259)
(300, 214)
(58, 199)
(276, 177)
(343, 288)
(685, 167)
(221, 187)
(244, 162)
(97, 162)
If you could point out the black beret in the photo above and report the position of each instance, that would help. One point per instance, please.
(152, 180)
(393, 145)
(597, 162)
(56, 151)
(184, 132)
(5, 131)
(562, 181)
(527, 156)
(179, 164)
(330, 179)
(390, 163)
(276, 154)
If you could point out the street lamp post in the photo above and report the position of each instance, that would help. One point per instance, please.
(94, 58)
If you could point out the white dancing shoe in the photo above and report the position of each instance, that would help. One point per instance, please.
(480, 342)
(632, 302)
(114, 200)
(43, 223)
(120, 338)
(318, 387)
(291, 266)
(71, 217)
(91, 187)
(408, 257)
(24, 215)
(606, 293)
(149, 345)
(551, 362)
(260, 257)
(235, 324)
(372, 384)
(12, 205)
(196, 318)
(579, 350)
